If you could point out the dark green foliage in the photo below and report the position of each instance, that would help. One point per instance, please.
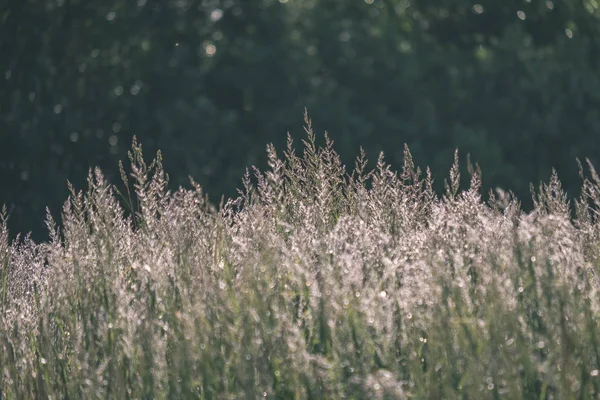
(513, 83)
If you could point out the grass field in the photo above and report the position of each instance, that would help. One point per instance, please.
(313, 284)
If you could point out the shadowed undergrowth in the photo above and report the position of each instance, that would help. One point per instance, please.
(312, 284)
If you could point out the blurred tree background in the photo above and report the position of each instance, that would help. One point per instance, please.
(515, 83)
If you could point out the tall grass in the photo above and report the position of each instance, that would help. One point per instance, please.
(313, 284)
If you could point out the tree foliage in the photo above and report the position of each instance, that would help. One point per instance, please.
(513, 83)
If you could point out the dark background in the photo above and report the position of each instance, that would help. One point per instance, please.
(210, 83)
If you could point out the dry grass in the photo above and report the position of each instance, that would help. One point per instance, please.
(312, 284)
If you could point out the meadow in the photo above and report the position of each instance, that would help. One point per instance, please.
(315, 283)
